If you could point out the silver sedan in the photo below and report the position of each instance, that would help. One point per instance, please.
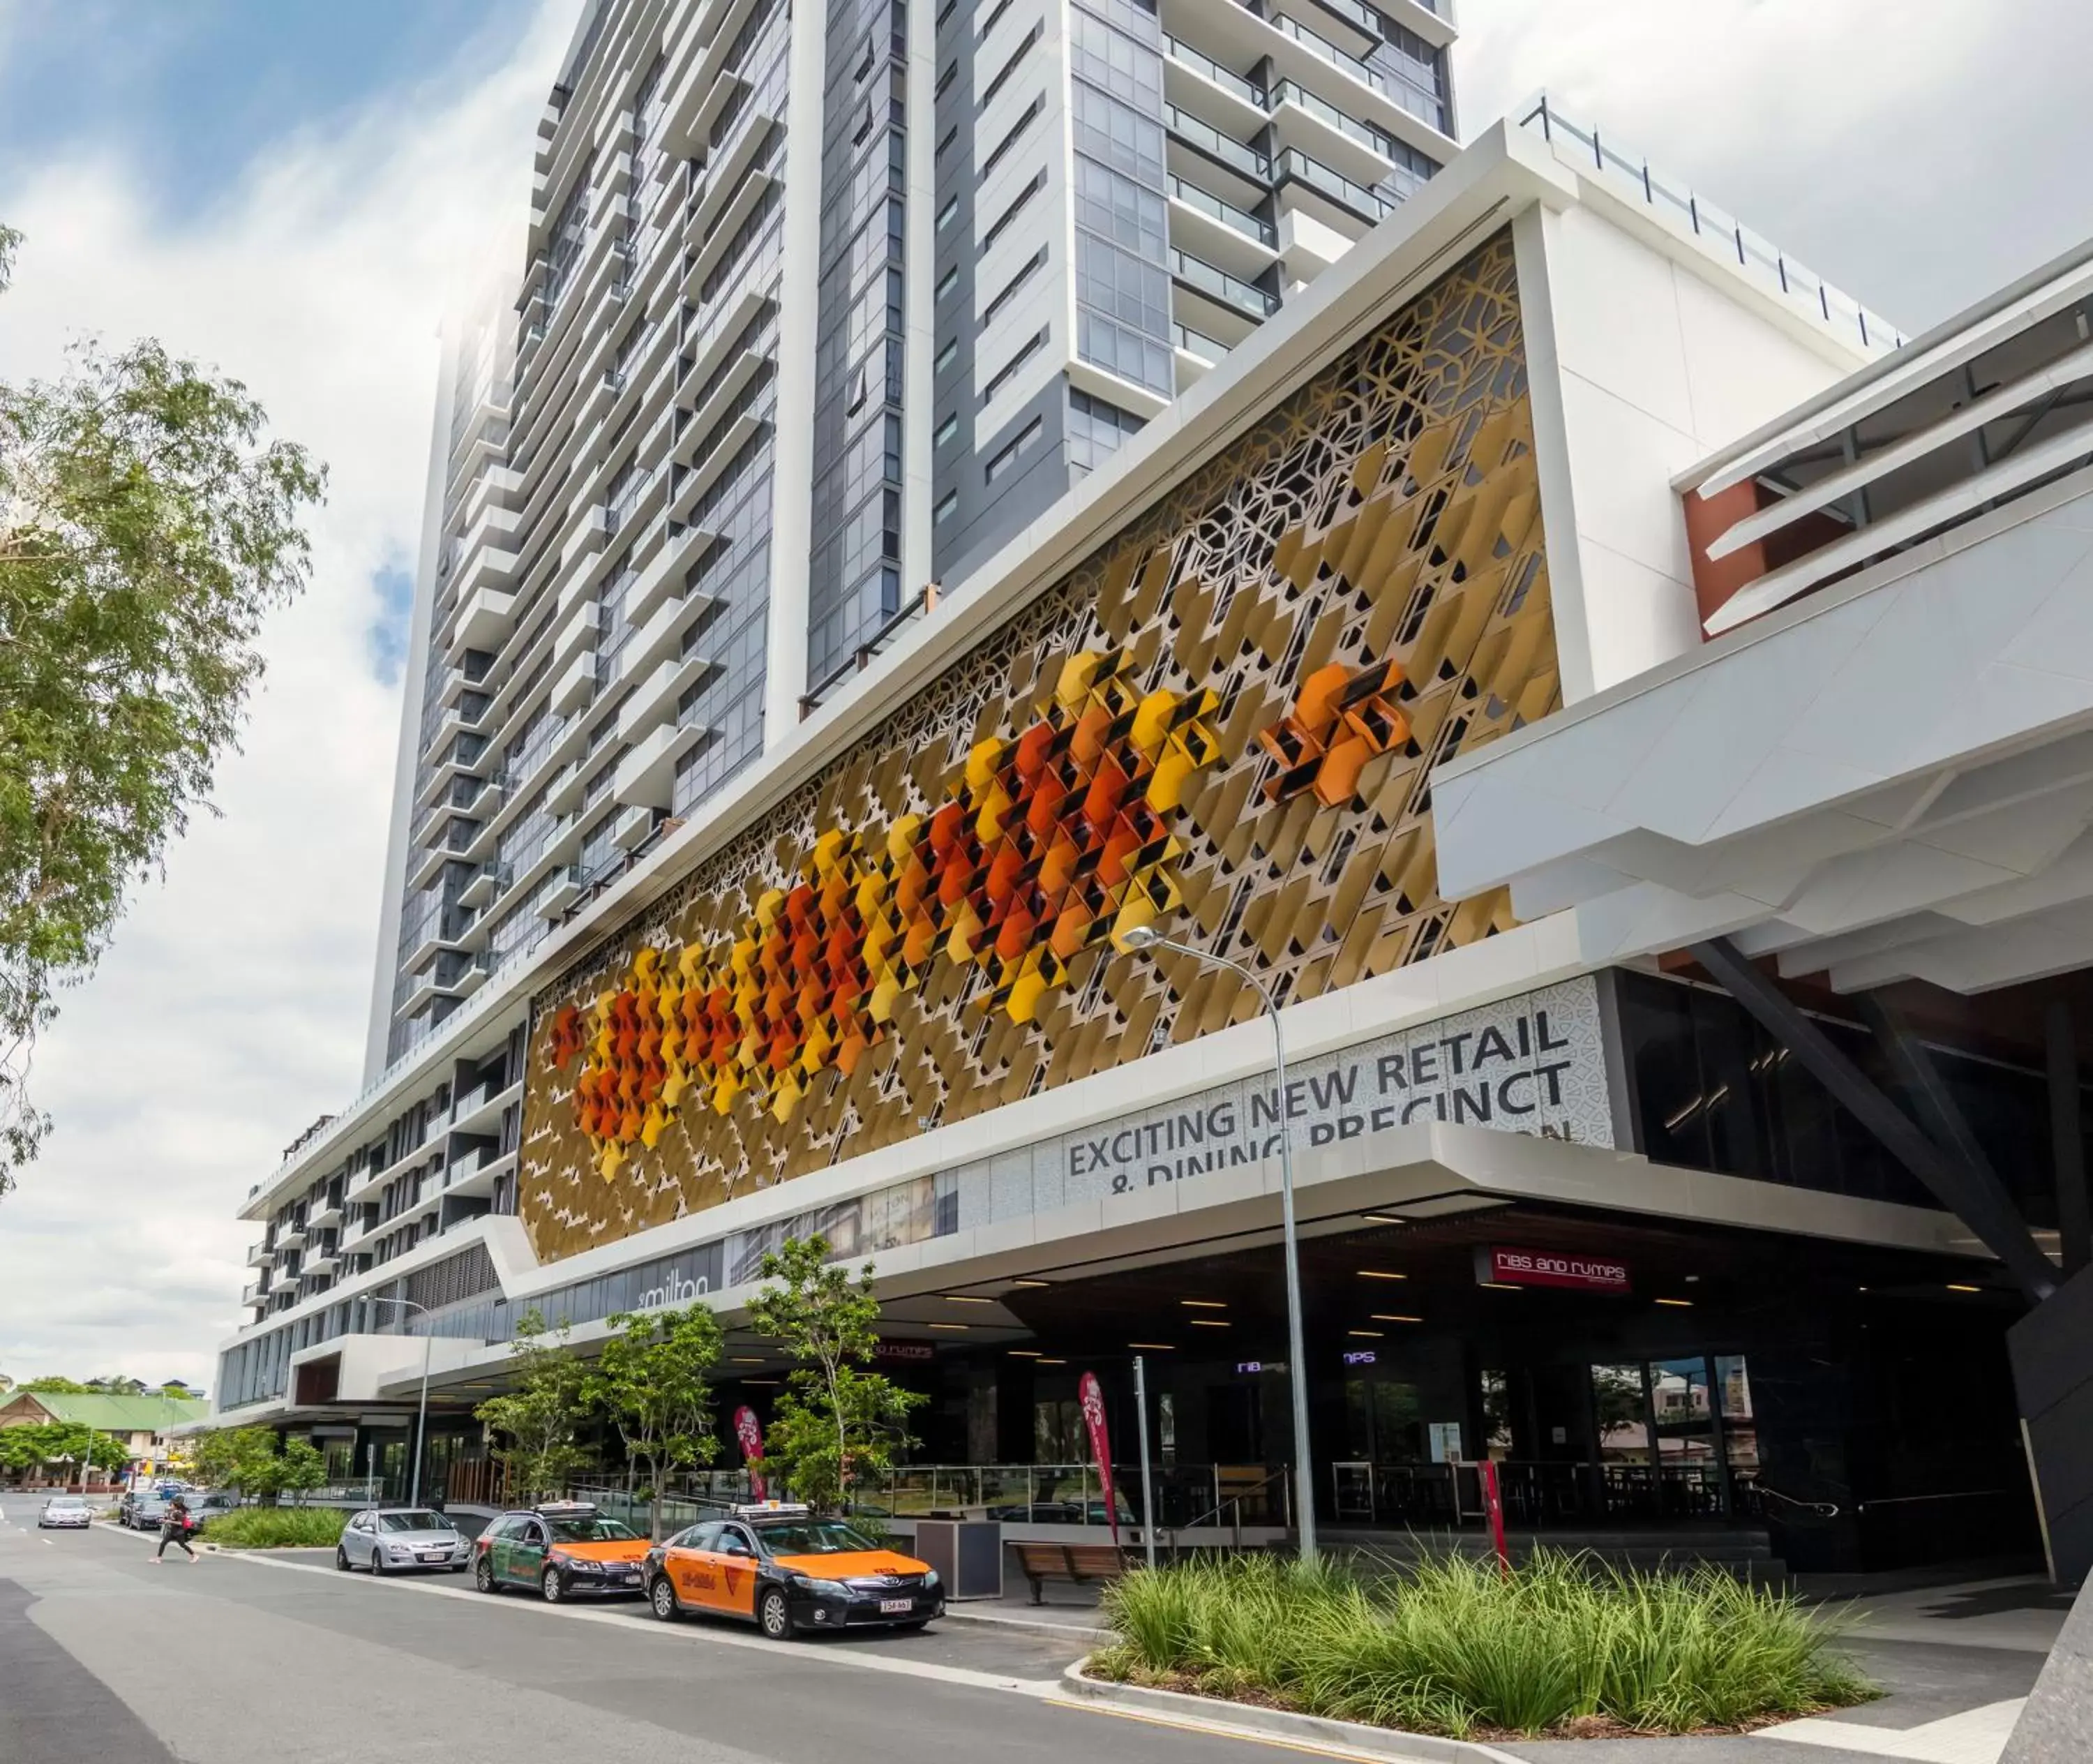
(67, 1510)
(393, 1539)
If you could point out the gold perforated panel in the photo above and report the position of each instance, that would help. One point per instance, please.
(1353, 591)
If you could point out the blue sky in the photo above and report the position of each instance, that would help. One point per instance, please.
(191, 91)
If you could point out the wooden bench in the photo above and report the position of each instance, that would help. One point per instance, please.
(1079, 1564)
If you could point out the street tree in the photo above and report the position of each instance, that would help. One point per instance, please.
(535, 1425)
(836, 1423)
(26, 1449)
(650, 1380)
(147, 525)
(252, 1460)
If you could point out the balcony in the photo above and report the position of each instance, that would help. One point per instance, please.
(1217, 284)
(1243, 91)
(261, 1255)
(1243, 244)
(1247, 161)
(647, 775)
(1354, 200)
(483, 619)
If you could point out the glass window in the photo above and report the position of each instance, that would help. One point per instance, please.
(813, 1538)
(420, 1519)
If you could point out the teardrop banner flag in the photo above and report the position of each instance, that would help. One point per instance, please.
(749, 1431)
(1092, 1397)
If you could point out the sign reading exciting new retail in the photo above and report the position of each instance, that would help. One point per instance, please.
(1500, 1266)
(1534, 1064)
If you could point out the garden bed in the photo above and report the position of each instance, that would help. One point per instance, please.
(277, 1527)
(1562, 1648)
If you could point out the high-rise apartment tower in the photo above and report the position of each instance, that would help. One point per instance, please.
(823, 302)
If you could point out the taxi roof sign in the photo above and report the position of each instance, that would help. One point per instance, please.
(772, 1510)
(566, 1509)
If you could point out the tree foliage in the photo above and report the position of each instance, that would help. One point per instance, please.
(31, 1447)
(535, 1422)
(147, 525)
(836, 1423)
(650, 1380)
(252, 1460)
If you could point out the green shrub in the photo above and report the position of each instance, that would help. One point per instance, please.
(277, 1528)
(1450, 1644)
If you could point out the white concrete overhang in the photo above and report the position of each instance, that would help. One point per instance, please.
(1891, 778)
(1431, 1171)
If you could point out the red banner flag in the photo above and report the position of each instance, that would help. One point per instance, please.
(749, 1431)
(1092, 1398)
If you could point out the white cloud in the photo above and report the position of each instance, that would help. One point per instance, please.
(231, 1009)
(1918, 153)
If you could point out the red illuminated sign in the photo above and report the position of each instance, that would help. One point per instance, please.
(1502, 1267)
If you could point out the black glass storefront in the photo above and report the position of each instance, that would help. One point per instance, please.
(1709, 1089)
(1844, 1404)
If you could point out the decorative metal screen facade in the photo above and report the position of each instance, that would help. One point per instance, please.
(1224, 721)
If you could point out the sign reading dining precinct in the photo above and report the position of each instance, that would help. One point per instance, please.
(1534, 1064)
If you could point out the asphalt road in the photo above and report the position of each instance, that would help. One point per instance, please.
(105, 1656)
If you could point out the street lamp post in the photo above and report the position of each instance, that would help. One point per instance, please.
(1143, 937)
(422, 1414)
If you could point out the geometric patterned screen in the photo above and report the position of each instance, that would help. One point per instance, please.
(1224, 721)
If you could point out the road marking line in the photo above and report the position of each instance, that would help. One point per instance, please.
(708, 1634)
(1215, 1729)
(1971, 1736)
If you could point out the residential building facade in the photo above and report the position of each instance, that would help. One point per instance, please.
(1582, 1192)
(825, 301)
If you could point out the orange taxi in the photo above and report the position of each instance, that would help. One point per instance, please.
(781, 1568)
(564, 1549)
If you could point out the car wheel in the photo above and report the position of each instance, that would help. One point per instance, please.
(552, 1586)
(377, 1560)
(773, 1615)
(483, 1574)
(340, 1559)
(663, 1599)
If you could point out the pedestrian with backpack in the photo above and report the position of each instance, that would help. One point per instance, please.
(175, 1529)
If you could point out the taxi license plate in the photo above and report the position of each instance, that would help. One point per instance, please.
(891, 1607)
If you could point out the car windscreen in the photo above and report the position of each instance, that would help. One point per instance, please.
(417, 1521)
(65, 1500)
(813, 1538)
(589, 1531)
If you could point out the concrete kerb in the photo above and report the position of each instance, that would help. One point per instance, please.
(1383, 1745)
(1082, 1635)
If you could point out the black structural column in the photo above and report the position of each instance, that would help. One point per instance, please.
(1960, 1189)
(2067, 1134)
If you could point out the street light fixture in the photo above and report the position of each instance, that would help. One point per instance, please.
(422, 1415)
(1141, 939)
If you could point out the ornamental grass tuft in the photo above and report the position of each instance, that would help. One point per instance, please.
(1449, 1644)
(277, 1527)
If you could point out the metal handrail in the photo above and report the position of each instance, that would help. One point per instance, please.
(1235, 1501)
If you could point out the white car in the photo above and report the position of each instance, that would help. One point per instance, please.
(391, 1540)
(67, 1510)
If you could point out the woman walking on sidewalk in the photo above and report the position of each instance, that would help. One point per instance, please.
(175, 1529)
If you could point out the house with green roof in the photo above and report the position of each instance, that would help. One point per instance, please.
(146, 1425)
